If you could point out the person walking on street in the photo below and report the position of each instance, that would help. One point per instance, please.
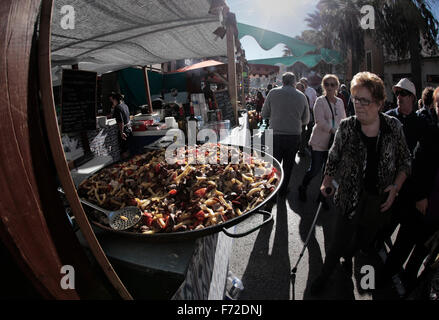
(259, 103)
(370, 161)
(428, 112)
(420, 215)
(287, 109)
(306, 129)
(414, 128)
(344, 95)
(328, 112)
(310, 93)
(405, 112)
(267, 91)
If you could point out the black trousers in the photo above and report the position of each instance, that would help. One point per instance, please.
(318, 162)
(351, 235)
(400, 211)
(306, 134)
(414, 231)
(285, 149)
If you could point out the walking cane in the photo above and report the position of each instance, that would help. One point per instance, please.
(294, 270)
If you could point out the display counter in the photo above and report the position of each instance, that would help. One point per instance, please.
(141, 139)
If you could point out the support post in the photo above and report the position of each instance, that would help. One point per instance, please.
(231, 70)
(242, 86)
(148, 92)
(45, 78)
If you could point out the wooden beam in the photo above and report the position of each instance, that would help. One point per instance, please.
(148, 92)
(88, 284)
(242, 88)
(23, 228)
(231, 69)
(44, 57)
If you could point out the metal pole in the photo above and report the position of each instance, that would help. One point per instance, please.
(148, 93)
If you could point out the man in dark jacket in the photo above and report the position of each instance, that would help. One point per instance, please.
(421, 219)
(414, 128)
(405, 112)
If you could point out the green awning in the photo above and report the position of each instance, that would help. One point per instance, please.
(268, 39)
(309, 60)
(331, 56)
(303, 52)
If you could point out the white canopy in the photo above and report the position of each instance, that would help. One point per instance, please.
(109, 35)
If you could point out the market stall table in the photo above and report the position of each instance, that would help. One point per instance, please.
(193, 269)
(141, 139)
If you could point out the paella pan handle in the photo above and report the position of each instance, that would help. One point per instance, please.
(243, 234)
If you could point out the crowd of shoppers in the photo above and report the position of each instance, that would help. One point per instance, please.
(385, 162)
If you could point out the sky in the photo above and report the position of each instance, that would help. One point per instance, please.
(283, 16)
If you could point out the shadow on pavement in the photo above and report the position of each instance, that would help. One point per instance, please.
(267, 275)
(340, 285)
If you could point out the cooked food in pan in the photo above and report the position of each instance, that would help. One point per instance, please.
(200, 189)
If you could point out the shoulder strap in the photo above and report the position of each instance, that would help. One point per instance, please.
(332, 112)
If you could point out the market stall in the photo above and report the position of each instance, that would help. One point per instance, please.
(42, 240)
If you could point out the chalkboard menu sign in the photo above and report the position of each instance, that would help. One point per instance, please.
(225, 105)
(78, 101)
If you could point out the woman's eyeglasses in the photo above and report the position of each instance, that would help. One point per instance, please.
(362, 101)
(330, 84)
(402, 93)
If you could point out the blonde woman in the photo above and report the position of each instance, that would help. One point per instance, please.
(328, 112)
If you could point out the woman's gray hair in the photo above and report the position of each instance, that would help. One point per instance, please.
(288, 79)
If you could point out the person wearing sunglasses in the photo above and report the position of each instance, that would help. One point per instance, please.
(370, 161)
(421, 205)
(328, 112)
(414, 129)
(405, 112)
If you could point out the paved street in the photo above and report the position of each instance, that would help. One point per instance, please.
(263, 260)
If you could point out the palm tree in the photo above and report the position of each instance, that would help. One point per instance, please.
(321, 29)
(343, 19)
(336, 25)
(400, 27)
(313, 37)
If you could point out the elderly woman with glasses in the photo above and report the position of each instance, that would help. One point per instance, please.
(370, 161)
(328, 112)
